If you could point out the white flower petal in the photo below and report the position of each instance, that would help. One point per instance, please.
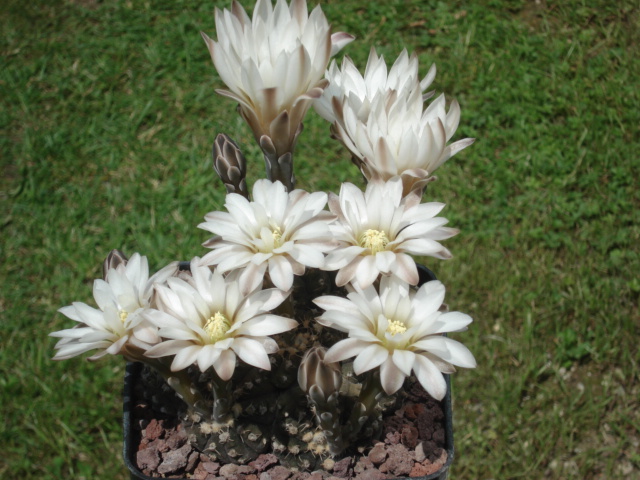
(391, 377)
(225, 365)
(367, 272)
(329, 302)
(430, 377)
(252, 352)
(370, 357)
(207, 356)
(404, 360)
(281, 272)
(266, 325)
(347, 348)
(185, 357)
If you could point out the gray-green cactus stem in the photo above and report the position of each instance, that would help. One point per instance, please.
(328, 417)
(179, 381)
(366, 405)
(222, 399)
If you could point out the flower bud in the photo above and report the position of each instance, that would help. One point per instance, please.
(314, 371)
(230, 165)
(113, 260)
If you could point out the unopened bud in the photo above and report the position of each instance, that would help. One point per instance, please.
(314, 371)
(113, 260)
(230, 165)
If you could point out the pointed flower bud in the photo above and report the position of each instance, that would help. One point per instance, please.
(113, 260)
(315, 372)
(230, 165)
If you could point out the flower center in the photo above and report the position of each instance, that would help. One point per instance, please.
(277, 237)
(395, 327)
(123, 315)
(217, 326)
(374, 240)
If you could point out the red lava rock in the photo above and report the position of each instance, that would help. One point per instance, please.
(378, 454)
(393, 438)
(236, 472)
(206, 469)
(194, 456)
(211, 467)
(177, 438)
(372, 474)
(318, 476)
(300, 476)
(399, 462)
(427, 467)
(228, 470)
(148, 459)
(438, 436)
(429, 449)
(442, 459)
(199, 474)
(363, 464)
(342, 468)
(174, 460)
(161, 445)
(154, 430)
(423, 469)
(146, 444)
(409, 436)
(276, 473)
(414, 410)
(264, 461)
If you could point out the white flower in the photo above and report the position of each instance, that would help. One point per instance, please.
(380, 119)
(280, 232)
(273, 63)
(122, 299)
(348, 86)
(209, 321)
(378, 229)
(399, 331)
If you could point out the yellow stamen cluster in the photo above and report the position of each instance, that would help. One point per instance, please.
(123, 315)
(374, 240)
(277, 237)
(395, 327)
(217, 327)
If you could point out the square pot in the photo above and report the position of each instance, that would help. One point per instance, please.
(131, 440)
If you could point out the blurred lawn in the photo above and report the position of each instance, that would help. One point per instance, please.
(108, 114)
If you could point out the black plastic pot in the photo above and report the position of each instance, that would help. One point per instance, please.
(132, 376)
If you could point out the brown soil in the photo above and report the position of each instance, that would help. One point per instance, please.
(412, 444)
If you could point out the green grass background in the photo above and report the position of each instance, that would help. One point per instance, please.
(108, 114)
